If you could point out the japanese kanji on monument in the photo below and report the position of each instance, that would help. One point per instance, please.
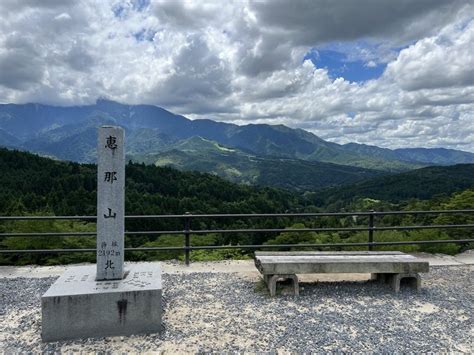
(109, 298)
(110, 203)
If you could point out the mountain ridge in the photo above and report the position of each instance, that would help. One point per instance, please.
(200, 154)
(438, 156)
(68, 133)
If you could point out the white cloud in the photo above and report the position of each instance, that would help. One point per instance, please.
(444, 60)
(242, 61)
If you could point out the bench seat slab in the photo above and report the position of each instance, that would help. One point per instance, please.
(309, 264)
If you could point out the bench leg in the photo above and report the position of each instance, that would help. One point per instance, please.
(296, 285)
(272, 285)
(271, 281)
(415, 281)
(382, 278)
(379, 277)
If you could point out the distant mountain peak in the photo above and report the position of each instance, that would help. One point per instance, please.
(68, 133)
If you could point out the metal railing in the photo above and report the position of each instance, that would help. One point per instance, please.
(187, 219)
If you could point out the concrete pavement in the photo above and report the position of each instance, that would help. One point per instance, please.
(245, 267)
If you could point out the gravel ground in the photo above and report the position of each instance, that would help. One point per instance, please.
(206, 312)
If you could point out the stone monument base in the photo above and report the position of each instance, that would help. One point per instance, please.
(78, 306)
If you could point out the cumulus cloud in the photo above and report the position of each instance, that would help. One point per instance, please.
(20, 63)
(198, 79)
(244, 61)
(310, 22)
(445, 60)
(187, 15)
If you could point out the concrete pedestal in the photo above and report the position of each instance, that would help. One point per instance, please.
(78, 306)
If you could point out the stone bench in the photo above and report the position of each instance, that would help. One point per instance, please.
(387, 267)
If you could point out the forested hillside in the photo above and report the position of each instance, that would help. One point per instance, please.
(199, 154)
(32, 185)
(422, 184)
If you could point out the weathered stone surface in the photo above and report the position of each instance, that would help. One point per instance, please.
(414, 279)
(79, 306)
(322, 253)
(383, 266)
(335, 262)
(102, 300)
(110, 203)
(271, 281)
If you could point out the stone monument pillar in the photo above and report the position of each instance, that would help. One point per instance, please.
(109, 298)
(110, 203)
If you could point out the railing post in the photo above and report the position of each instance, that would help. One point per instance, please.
(371, 229)
(187, 228)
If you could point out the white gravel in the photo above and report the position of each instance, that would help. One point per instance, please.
(232, 312)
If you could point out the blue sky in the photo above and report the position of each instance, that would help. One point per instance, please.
(355, 61)
(120, 8)
(339, 65)
(144, 35)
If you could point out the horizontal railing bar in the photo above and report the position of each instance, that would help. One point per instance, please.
(350, 229)
(246, 215)
(260, 246)
(52, 234)
(315, 214)
(155, 232)
(46, 251)
(224, 231)
(83, 234)
(33, 218)
(456, 241)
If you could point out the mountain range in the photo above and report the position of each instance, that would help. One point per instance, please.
(255, 154)
(203, 155)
